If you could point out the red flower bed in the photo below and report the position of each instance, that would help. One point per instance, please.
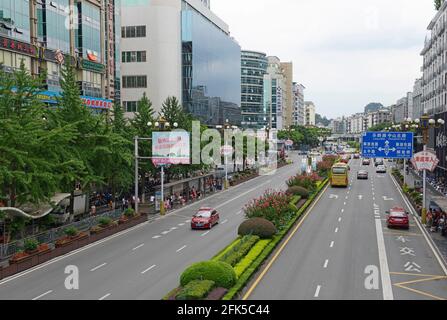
(308, 181)
(273, 206)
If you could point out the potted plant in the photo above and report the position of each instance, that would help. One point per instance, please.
(71, 235)
(127, 215)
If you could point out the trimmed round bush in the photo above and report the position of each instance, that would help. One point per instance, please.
(258, 227)
(221, 273)
(299, 191)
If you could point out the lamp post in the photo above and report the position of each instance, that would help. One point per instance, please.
(224, 127)
(162, 125)
(425, 124)
(405, 126)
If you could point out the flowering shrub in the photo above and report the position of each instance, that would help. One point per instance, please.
(308, 181)
(324, 168)
(272, 206)
(330, 158)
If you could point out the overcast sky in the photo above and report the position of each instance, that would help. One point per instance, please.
(347, 53)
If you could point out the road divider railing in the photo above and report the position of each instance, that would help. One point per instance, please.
(246, 254)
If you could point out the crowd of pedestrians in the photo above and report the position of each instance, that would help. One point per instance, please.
(437, 221)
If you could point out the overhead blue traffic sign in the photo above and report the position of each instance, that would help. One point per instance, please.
(391, 145)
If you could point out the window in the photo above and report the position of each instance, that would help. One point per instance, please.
(134, 81)
(133, 32)
(130, 106)
(133, 56)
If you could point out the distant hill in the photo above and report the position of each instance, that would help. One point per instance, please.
(323, 120)
(374, 106)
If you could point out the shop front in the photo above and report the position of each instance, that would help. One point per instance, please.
(99, 104)
(441, 147)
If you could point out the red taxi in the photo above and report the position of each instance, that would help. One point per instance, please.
(205, 218)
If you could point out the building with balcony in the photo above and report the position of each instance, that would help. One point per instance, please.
(434, 80)
(274, 93)
(402, 110)
(253, 68)
(45, 34)
(418, 109)
(298, 104)
(310, 110)
(180, 48)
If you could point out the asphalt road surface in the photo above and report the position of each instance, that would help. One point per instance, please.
(344, 251)
(144, 262)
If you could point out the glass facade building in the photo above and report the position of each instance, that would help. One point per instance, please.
(211, 70)
(14, 19)
(253, 68)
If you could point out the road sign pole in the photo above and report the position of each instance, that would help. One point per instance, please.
(405, 171)
(136, 174)
(424, 201)
(162, 204)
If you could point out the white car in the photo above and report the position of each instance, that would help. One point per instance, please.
(381, 169)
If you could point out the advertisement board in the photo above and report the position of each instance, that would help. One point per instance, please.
(170, 148)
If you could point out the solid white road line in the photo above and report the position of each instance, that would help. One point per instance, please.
(332, 244)
(384, 269)
(98, 267)
(181, 249)
(326, 264)
(42, 295)
(204, 234)
(136, 248)
(317, 292)
(148, 269)
(105, 297)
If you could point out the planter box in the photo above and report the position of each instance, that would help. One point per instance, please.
(71, 244)
(1, 272)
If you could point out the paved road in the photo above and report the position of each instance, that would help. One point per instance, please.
(345, 235)
(145, 262)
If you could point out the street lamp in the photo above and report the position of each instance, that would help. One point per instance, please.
(425, 124)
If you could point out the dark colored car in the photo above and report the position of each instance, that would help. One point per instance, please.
(397, 217)
(366, 162)
(205, 218)
(362, 175)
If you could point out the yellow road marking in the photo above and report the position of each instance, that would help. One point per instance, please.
(275, 257)
(420, 292)
(414, 274)
(421, 280)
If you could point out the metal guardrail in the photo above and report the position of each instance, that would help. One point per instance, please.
(51, 236)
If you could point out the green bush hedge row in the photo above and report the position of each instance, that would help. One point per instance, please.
(260, 227)
(251, 256)
(220, 272)
(196, 290)
(245, 277)
(225, 250)
(239, 251)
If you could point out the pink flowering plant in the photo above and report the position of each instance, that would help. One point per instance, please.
(273, 206)
(308, 181)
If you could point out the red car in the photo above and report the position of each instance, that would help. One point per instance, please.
(398, 217)
(205, 218)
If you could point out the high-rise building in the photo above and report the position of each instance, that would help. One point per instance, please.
(253, 68)
(434, 84)
(287, 70)
(45, 34)
(402, 111)
(299, 112)
(180, 48)
(274, 93)
(309, 113)
(418, 109)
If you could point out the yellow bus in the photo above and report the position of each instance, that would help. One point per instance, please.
(340, 175)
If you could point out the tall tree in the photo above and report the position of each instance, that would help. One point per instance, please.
(438, 4)
(172, 111)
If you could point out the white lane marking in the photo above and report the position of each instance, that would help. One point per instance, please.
(225, 221)
(243, 194)
(332, 244)
(317, 292)
(336, 230)
(42, 295)
(384, 269)
(156, 237)
(181, 249)
(204, 234)
(136, 248)
(174, 228)
(181, 224)
(346, 198)
(165, 232)
(339, 219)
(326, 264)
(188, 221)
(344, 203)
(105, 297)
(98, 267)
(148, 269)
(342, 210)
(239, 213)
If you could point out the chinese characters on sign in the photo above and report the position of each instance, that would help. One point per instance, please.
(170, 148)
(425, 161)
(392, 145)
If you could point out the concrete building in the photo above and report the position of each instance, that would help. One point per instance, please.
(180, 48)
(45, 34)
(309, 113)
(253, 68)
(401, 110)
(434, 82)
(418, 109)
(299, 111)
(356, 124)
(287, 70)
(274, 93)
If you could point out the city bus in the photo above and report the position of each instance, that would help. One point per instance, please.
(340, 175)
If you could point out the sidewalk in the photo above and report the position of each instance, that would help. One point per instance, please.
(438, 239)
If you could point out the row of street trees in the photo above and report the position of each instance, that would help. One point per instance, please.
(304, 136)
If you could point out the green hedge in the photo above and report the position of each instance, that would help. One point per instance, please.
(220, 272)
(196, 290)
(260, 227)
(251, 256)
(238, 252)
(246, 276)
(225, 250)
